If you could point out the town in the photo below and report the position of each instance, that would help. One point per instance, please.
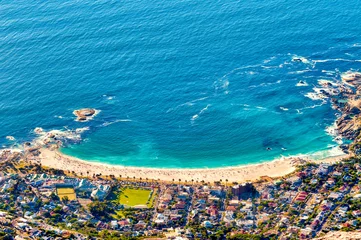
(37, 202)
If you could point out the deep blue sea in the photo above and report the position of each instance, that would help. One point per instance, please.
(180, 84)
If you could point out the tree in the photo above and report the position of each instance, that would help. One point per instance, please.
(101, 209)
(65, 199)
(54, 197)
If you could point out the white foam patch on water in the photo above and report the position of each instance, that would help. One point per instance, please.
(222, 85)
(203, 110)
(190, 103)
(284, 109)
(332, 152)
(315, 96)
(116, 121)
(82, 130)
(333, 132)
(329, 73)
(10, 138)
(301, 59)
(336, 60)
(265, 84)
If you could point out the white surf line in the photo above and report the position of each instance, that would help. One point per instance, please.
(190, 103)
(196, 116)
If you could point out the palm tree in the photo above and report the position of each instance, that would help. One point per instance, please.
(226, 182)
(180, 181)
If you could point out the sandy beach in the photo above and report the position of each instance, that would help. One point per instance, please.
(244, 173)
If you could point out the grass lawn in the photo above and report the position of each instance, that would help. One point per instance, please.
(132, 197)
(69, 192)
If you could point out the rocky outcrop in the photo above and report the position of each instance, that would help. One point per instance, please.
(352, 78)
(85, 114)
(348, 102)
(340, 236)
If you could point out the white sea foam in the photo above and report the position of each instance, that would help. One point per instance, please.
(301, 59)
(329, 73)
(265, 84)
(190, 103)
(326, 82)
(10, 138)
(333, 132)
(314, 96)
(221, 85)
(203, 110)
(336, 60)
(194, 117)
(313, 106)
(82, 130)
(332, 152)
(300, 71)
(284, 109)
(116, 121)
(58, 136)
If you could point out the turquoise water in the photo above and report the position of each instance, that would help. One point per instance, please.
(179, 83)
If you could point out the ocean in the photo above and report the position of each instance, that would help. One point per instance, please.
(179, 84)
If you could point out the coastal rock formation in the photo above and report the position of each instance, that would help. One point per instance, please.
(341, 236)
(85, 114)
(55, 138)
(348, 102)
(352, 78)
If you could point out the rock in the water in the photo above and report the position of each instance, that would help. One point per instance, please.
(352, 78)
(85, 114)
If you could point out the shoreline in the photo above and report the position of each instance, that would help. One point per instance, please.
(345, 127)
(252, 172)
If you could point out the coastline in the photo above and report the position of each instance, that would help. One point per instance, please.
(252, 172)
(346, 126)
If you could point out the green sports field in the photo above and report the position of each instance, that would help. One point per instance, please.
(133, 197)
